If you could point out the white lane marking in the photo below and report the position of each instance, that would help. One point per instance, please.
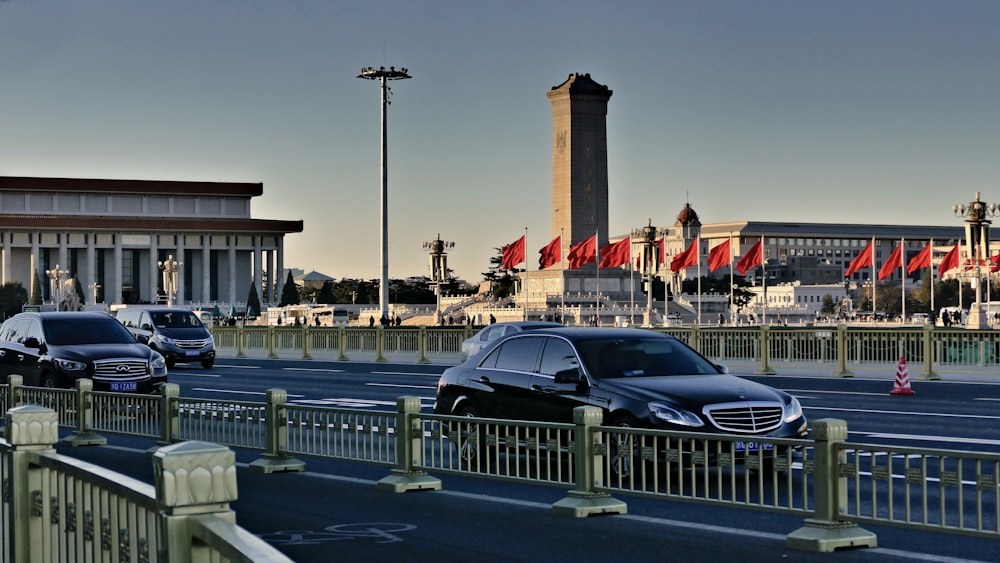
(404, 373)
(985, 399)
(348, 402)
(401, 386)
(937, 414)
(236, 367)
(195, 374)
(237, 392)
(835, 392)
(314, 369)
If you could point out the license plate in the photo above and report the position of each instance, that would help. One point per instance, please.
(124, 386)
(189, 353)
(752, 446)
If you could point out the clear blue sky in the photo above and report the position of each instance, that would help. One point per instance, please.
(869, 111)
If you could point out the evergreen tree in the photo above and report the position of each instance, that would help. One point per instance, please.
(289, 293)
(78, 287)
(13, 296)
(36, 290)
(501, 280)
(253, 302)
(325, 295)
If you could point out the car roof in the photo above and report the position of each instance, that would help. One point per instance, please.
(524, 324)
(593, 333)
(63, 315)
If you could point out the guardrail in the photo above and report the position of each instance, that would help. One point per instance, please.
(56, 508)
(838, 346)
(834, 484)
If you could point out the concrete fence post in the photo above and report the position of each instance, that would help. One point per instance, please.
(28, 429)
(929, 373)
(422, 345)
(192, 479)
(270, 343)
(239, 342)
(409, 433)
(305, 342)
(584, 500)
(379, 343)
(842, 370)
(169, 413)
(274, 457)
(342, 344)
(83, 435)
(14, 383)
(765, 351)
(826, 531)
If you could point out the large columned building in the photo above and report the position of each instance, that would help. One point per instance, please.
(111, 234)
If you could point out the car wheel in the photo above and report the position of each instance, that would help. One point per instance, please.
(468, 436)
(171, 364)
(623, 447)
(208, 363)
(48, 380)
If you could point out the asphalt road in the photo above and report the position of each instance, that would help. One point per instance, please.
(333, 511)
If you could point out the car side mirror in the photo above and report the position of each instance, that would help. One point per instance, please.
(571, 375)
(32, 342)
(146, 326)
(722, 368)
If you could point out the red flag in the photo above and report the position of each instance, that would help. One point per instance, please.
(753, 258)
(616, 253)
(921, 260)
(583, 252)
(949, 262)
(662, 244)
(550, 254)
(861, 260)
(995, 263)
(719, 256)
(513, 254)
(894, 261)
(686, 259)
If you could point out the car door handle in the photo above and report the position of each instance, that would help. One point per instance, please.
(484, 379)
(20, 357)
(540, 389)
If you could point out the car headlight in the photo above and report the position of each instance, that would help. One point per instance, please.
(70, 365)
(674, 415)
(158, 362)
(166, 340)
(793, 410)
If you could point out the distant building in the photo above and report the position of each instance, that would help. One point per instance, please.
(313, 279)
(112, 233)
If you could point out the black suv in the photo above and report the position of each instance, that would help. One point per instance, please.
(55, 349)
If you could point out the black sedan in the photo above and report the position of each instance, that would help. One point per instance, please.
(640, 378)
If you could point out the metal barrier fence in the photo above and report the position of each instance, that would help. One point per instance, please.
(56, 508)
(835, 484)
(839, 346)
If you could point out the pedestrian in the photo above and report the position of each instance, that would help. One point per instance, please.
(493, 320)
(371, 321)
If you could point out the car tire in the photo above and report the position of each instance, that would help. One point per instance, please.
(623, 450)
(171, 364)
(207, 364)
(48, 380)
(468, 437)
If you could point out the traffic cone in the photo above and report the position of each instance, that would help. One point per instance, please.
(902, 386)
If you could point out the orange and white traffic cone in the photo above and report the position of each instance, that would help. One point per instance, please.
(902, 386)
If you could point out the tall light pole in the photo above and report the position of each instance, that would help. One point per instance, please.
(647, 236)
(55, 284)
(977, 248)
(95, 287)
(384, 75)
(170, 269)
(439, 269)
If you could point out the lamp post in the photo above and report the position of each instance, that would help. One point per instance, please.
(384, 75)
(647, 236)
(439, 269)
(55, 284)
(977, 248)
(95, 287)
(170, 269)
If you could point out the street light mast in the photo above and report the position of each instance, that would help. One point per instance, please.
(383, 75)
(977, 248)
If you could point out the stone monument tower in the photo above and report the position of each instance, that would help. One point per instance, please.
(579, 160)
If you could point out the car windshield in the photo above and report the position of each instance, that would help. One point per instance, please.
(175, 320)
(69, 332)
(642, 357)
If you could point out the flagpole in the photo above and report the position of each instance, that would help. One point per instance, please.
(931, 260)
(631, 283)
(562, 291)
(597, 256)
(902, 264)
(763, 283)
(874, 303)
(697, 253)
(732, 282)
(526, 273)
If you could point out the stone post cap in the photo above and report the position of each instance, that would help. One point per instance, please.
(194, 473)
(829, 429)
(407, 404)
(31, 425)
(588, 416)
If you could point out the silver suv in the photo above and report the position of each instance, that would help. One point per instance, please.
(177, 334)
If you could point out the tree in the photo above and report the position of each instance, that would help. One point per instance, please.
(502, 281)
(13, 297)
(253, 301)
(78, 287)
(36, 290)
(325, 295)
(289, 292)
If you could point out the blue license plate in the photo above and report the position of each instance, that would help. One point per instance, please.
(189, 353)
(124, 386)
(752, 446)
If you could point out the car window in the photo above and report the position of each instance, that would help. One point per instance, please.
(518, 354)
(558, 357)
(68, 332)
(492, 333)
(33, 331)
(16, 331)
(638, 357)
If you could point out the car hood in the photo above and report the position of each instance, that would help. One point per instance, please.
(93, 352)
(687, 390)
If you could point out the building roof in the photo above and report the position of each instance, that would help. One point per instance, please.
(314, 276)
(160, 187)
(832, 230)
(109, 223)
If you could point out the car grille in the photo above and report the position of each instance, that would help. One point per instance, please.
(745, 418)
(191, 344)
(121, 368)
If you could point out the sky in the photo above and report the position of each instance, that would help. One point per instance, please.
(846, 111)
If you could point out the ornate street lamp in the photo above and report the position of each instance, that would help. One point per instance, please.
(95, 287)
(55, 284)
(383, 75)
(439, 269)
(647, 237)
(170, 268)
(977, 248)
